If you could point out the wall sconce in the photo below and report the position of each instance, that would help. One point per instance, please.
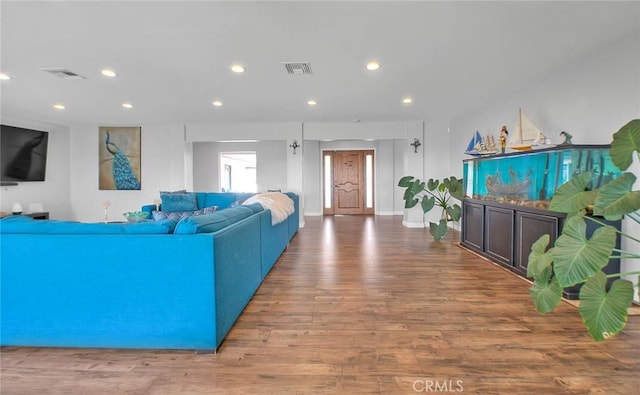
(416, 143)
(294, 145)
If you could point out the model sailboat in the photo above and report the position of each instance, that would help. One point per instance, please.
(476, 139)
(481, 146)
(525, 134)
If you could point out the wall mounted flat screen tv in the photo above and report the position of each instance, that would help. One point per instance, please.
(23, 154)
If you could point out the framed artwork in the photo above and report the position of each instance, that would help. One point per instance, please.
(119, 158)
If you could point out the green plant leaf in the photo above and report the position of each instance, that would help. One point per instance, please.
(405, 181)
(409, 203)
(455, 188)
(432, 184)
(455, 212)
(616, 198)
(427, 203)
(605, 313)
(408, 195)
(539, 258)
(625, 141)
(438, 230)
(571, 196)
(577, 258)
(546, 294)
(417, 187)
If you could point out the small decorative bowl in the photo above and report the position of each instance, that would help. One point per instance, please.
(136, 216)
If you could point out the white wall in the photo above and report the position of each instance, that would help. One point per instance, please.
(262, 132)
(400, 150)
(312, 178)
(436, 160)
(272, 165)
(163, 168)
(271, 160)
(591, 99)
(329, 131)
(279, 168)
(54, 192)
(384, 177)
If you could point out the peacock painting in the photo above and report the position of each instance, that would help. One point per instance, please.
(119, 158)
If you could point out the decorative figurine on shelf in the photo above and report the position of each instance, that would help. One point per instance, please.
(567, 138)
(504, 134)
(105, 206)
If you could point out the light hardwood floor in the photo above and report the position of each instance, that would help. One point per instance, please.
(362, 305)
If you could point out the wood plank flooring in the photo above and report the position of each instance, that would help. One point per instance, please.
(362, 305)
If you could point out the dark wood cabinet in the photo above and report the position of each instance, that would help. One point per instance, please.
(529, 228)
(498, 234)
(505, 233)
(472, 224)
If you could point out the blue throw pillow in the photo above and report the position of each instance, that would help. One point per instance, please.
(179, 202)
(178, 215)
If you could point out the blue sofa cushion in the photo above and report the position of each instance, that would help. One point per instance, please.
(222, 200)
(179, 202)
(212, 222)
(24, 224)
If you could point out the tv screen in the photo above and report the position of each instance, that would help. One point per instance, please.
(23, 154)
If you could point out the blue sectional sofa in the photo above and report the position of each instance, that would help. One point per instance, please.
(144, 285)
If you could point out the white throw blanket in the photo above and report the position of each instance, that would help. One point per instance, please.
(281, 205)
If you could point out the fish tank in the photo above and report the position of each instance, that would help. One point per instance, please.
(530, 178)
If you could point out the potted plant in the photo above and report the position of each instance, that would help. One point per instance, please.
(434, 193)
(577, 259)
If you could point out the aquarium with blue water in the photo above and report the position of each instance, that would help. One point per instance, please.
(530, 178)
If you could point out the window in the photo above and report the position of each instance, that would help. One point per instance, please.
(368, 180)
(328, 181)
(238, 172)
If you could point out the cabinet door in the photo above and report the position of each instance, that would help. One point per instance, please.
(529, 228)
(472, 225)
(498, 234)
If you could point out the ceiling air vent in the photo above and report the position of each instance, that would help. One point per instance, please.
(64, 73)
(298, 68)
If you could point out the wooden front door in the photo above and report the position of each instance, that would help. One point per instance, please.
(350, 184)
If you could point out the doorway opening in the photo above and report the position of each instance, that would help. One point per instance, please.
(238, 171)
(348, 182)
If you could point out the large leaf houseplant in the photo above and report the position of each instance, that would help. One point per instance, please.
(578, 259)
(434, 193)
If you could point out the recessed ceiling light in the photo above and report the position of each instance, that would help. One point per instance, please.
(4, 77)
(237, 68)
(127, 105)
(407, 100)
(312, 102)
(373, 65)
(59, 106)
(108, 73)
(217, 103)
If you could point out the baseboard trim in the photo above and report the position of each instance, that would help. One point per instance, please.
(413, 224)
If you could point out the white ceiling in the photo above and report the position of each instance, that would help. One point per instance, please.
(173, 58)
